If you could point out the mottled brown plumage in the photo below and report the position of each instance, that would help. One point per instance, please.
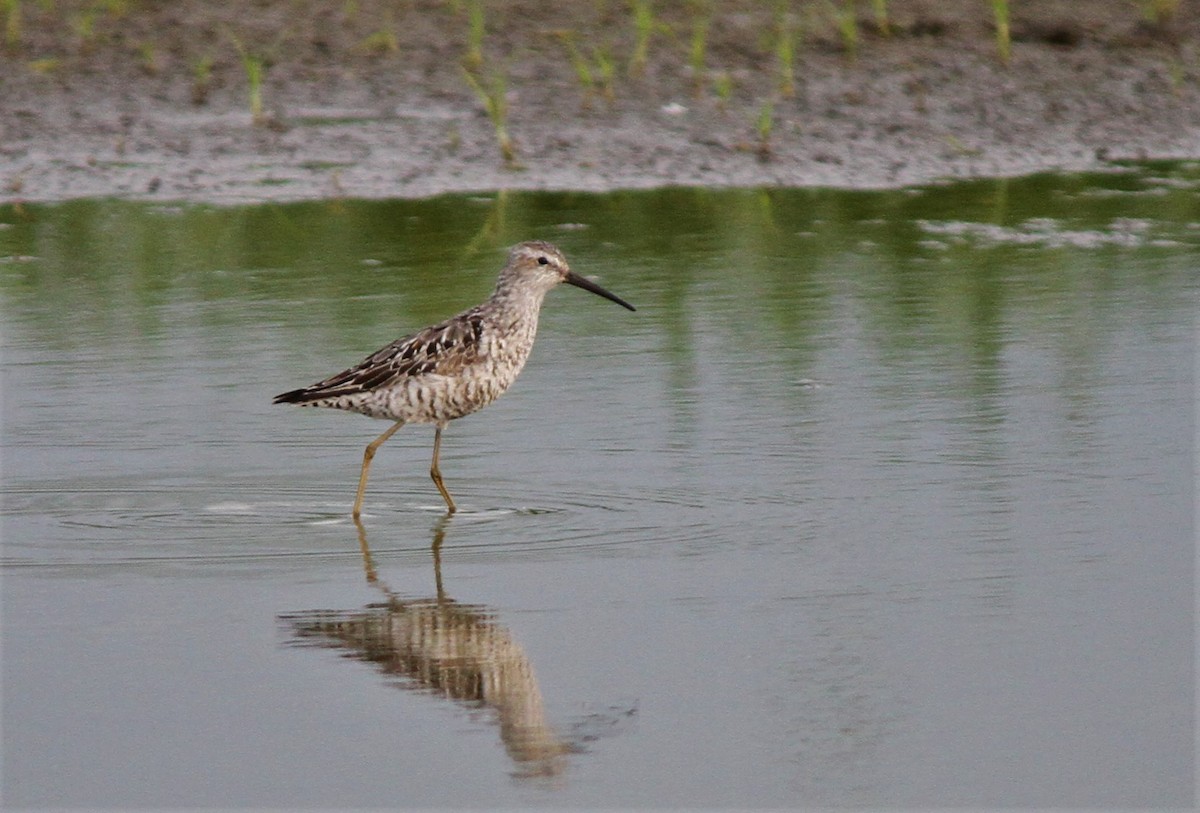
(455, 367)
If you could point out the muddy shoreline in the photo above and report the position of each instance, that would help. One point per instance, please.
(152, 105)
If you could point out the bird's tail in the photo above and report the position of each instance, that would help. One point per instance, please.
(300, 396)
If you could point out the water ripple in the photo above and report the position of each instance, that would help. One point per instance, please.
(127, 524)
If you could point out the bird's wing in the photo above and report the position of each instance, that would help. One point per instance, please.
(442, 349)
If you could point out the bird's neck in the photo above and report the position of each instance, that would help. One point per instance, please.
(516, 300)
(513, 313)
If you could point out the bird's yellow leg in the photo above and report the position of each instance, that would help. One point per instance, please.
(368, 455)
(436, 473)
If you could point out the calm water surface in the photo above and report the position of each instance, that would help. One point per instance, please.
(880, 499)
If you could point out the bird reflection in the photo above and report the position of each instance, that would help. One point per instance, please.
(457, 651)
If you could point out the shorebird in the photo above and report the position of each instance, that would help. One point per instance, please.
(455, 367)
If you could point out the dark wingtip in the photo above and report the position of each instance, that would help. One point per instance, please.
(292, 397)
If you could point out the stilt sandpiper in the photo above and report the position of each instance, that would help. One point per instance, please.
(453, 368)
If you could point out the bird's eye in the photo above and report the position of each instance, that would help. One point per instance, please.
(542, 261)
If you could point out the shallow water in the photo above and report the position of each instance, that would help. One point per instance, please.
(879, 499)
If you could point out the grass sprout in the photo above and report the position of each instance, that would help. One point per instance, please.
(1003, 33)
(763, 127)
(254, 66)
(785, 49)
(960, 148)
(476, 29)
(723, 87)
(150, 63)
(698, 48)
(201, 79)
(12, 23)
(580, 64)
(644, 26)
(608, 73)
(494, 98)
(1158, 12)
(846, 20)
(1177, 75)
(46, 66)
(380, 41)
(587, 70)
(882, 24)
(115, 9)
(83, 25)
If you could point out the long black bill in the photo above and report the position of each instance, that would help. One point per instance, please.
(588, 285)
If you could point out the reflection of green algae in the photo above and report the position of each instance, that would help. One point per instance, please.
(923, 265)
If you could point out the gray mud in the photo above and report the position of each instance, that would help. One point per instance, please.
(129, 111)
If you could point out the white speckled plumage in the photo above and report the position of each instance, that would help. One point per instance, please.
(455, 367)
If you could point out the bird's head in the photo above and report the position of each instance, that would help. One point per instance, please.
(542, 266)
